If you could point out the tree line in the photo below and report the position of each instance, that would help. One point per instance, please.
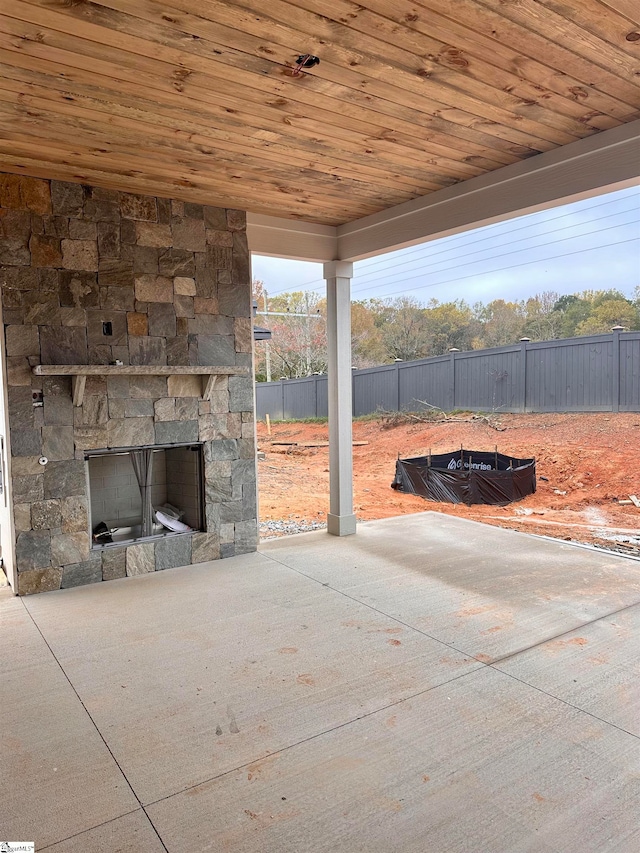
(385, 330)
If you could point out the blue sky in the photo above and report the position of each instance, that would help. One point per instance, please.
(588, 245)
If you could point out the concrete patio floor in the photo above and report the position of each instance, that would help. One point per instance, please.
(430, 685)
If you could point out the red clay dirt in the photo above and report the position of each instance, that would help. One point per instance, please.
(586, 462)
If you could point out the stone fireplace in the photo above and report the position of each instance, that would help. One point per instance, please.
(127, 324)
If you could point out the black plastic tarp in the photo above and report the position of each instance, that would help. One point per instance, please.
(467, 476)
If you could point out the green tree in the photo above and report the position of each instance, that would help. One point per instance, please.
(542, 321)
(403, 328)
(367, 346)
(450, 324)
(609, 313)
(404, 332)
(502, 323)
(572, 310)
(596, 312)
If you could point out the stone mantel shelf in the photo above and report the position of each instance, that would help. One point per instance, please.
(79, 373)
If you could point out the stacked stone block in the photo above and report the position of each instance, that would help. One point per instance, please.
(93, 276)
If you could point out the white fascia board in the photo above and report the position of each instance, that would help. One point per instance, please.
(289, 238)
(602, 163)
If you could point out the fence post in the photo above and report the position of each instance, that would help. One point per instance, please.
(452, 382)
(523, 374)
(615, 392)
(353, 395)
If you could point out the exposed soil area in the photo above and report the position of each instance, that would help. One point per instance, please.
(586, 463)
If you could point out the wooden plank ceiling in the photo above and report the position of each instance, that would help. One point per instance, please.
(197, 99)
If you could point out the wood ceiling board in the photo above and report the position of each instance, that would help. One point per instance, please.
(492, 19)
(35, 56)
(435, 66)
(626, 8)
(612, 27)
(259, 170)
(28, 105)
(78, 120)
(599, 37)
(379, 130)
(360, 46)
(302, 176)
(468, 111)
(389, 160)
(253, 45)
(167, 163)
(309, 79)
(455, 138)
(85, 166)
(409, 98)
(529, 78)
(345, 47)
(191, 190)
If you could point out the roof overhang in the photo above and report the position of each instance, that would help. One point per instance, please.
(589, 167)
(422, 118)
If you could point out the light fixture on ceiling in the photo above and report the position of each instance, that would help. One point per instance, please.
(305, 60)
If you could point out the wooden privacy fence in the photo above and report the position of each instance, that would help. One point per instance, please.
(599, 373)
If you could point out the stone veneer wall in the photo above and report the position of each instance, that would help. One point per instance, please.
(173, 279)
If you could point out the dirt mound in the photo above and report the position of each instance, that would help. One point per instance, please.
(586, 462)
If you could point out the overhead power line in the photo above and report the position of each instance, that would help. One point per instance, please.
(505, 254)
(391, 264)
(488, 237)
(424, 266)
(515, 266)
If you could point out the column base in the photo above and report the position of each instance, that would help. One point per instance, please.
(341, 525)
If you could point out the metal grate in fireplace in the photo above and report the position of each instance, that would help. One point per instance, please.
(142, 493)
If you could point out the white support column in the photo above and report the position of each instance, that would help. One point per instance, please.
(341, 520)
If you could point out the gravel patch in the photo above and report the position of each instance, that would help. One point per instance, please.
(273, 529)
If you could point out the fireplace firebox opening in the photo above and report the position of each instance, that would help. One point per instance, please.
(141, 493)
